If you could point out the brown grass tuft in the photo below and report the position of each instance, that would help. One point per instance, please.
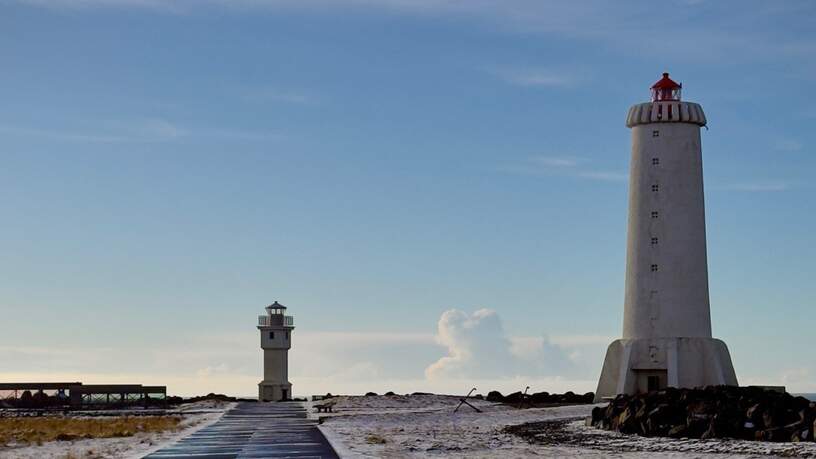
(375, 440)
(39, 430)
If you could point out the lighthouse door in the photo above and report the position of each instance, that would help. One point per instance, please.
(651, 380)
(284, 394)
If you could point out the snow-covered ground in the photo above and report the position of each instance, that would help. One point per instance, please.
(425, 425)
(194, 416)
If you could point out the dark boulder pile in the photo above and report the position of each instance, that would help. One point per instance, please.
(37, 400)
(749, 413)
(541, 398)
(176, 400)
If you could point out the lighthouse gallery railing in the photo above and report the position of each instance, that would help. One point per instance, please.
(276, 320)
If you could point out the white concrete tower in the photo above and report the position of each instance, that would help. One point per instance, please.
(667, 337)
(276, 340)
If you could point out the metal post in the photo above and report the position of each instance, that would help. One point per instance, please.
(463, 401)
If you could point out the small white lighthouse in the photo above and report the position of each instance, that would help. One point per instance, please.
(276, 339)
(667, 340)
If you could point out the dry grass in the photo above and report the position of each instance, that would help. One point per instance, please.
(374, 439)
(45, 429)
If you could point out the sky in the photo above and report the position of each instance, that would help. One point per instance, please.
(436, 189)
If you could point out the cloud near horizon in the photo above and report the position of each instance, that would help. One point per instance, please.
(478, 347)
(468, 350)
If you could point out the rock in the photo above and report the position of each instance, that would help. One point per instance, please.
(802, 434)
(661, 419)
(515, 397)
(698, 424)
(66, 437)
(597, 415)
(26, 400)
(495, 396)
(39, 399)
(714, 412)
(678, 431)
(371, 394)
(754, 414)
(626, 422)
(390, 394)
(777, 434)
(541, 397)
(710, 433)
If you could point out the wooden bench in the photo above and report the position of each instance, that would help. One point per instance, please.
(325, 407)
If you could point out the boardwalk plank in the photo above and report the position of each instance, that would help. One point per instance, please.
(254, 430)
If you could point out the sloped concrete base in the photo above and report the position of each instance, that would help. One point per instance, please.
(274, 391)
(633, 365)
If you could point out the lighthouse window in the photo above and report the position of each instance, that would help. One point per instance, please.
(271, 335)
(655, 161)
(655, 133)
(287, 336)
(654, 268)
(655, 188)
(655, 214)
(654, 241)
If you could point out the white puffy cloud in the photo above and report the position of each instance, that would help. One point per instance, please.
(478, 347)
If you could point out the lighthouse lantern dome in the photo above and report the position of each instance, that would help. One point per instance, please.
(666, 89)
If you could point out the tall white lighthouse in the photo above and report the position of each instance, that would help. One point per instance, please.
(276, 340)
(667, 339)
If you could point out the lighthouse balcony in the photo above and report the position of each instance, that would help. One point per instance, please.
(665, 112)
(276, 320)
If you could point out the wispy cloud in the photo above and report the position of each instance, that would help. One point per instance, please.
(157, 129)
(143, 130)
(621, 28)
(555, 162)
(50, 134)
(760, 186)
(542, 78)
(237, 134)
(565, 166)
(151, 130)
(157, 5)
(604, 176)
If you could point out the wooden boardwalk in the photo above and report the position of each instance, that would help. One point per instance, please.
(254, 430)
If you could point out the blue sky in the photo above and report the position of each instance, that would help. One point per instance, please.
(170, 167)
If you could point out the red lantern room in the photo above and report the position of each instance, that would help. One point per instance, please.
(666, 89)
